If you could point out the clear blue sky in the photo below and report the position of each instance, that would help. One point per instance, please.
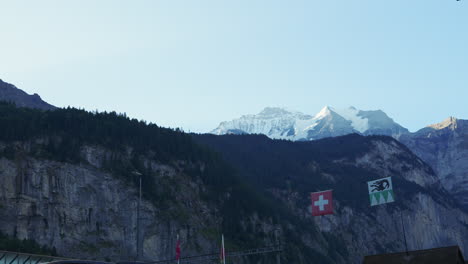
(192, 64)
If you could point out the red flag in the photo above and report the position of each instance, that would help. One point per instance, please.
(177, 250)
(322, 203)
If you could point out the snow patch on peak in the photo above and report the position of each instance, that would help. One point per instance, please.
(326, 111)
(357, 122)
(302, 126)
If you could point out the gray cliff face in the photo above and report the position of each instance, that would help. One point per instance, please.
(430, 219)
(444, 146)
(10, 93)
(388, 158)
(427, 224)
(87, 213)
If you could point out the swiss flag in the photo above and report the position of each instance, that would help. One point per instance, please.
(322, 203)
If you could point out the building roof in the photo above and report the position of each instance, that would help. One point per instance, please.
(445, 255)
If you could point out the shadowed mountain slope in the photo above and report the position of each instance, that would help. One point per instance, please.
(9, 93)
(445, 147)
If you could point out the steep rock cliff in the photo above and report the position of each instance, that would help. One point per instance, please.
(86, 212)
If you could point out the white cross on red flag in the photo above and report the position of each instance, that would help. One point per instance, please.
(322, 203)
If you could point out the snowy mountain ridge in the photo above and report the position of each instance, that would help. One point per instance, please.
(279, 123)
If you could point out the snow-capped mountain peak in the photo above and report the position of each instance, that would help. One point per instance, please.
(325, 111)
(280, 123)
(274, 122)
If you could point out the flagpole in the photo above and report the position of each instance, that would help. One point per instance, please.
(404, 233)
(224, 253)
(178, 244)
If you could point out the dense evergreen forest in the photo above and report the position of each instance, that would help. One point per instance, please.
(111, 130)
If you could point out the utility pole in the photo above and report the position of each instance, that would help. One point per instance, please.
(138, 218)
(223, 252)
(404, 233)
(278, 243)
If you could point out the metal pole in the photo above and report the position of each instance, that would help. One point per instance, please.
(138, 222)
(278, 243)
(404, 233)
(178, 245)
(224, 252)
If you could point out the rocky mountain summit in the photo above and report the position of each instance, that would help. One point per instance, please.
(10, 93)
(445, 147)
(278, 123)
